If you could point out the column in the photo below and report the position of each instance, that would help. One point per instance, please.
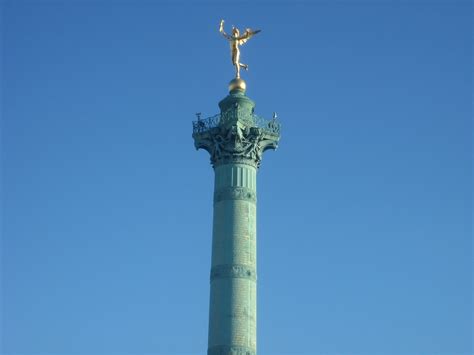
(233, 302)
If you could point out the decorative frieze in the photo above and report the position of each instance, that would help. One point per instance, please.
(230, 350)
(234, 271)
(235, 193)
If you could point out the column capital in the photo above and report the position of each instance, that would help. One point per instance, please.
(237, 134)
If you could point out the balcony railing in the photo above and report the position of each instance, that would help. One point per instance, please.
(204, 124)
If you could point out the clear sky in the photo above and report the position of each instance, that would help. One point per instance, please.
(364, 212)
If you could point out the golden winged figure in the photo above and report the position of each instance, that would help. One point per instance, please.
(235, 40)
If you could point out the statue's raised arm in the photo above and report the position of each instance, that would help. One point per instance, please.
(235, 40)
(221, 30)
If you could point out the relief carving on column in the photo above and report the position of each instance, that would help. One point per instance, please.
(230, 350)
(234, 271)
(235, 193)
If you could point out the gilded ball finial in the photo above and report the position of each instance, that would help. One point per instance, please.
(237, 84)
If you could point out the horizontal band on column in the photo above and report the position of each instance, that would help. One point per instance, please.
(235, 193)
(230, 350)
(233, 271)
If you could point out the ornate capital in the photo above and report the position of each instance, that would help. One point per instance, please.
(236, 136)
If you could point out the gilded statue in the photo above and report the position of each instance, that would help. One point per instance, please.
(235, 40)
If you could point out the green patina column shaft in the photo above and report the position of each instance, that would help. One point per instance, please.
(236, 139)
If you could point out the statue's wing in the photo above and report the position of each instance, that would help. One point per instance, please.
(247, 35)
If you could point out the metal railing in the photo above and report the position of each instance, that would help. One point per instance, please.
(204, 124)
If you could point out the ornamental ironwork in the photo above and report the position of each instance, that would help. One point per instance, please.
(202, 125)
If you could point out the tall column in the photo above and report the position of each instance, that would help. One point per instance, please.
(235, 139)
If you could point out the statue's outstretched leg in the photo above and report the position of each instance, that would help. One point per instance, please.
(245, 66)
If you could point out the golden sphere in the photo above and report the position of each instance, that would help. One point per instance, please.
(237, 84)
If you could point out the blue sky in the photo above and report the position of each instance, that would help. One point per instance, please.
(364, 215)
